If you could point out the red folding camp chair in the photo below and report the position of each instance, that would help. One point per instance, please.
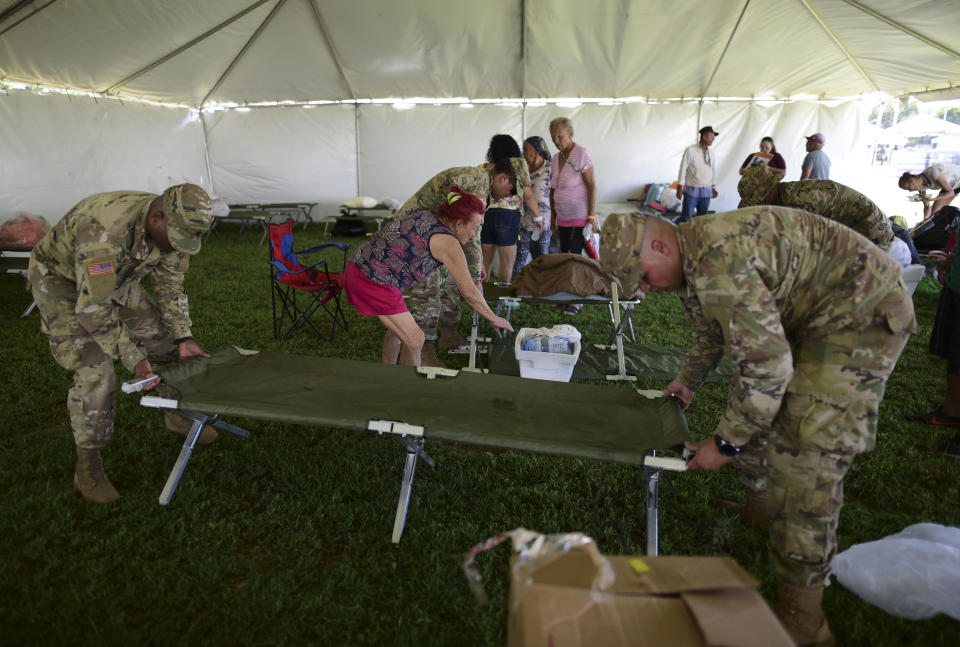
(288, 277)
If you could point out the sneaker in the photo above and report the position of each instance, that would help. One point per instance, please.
(571, 310)
(936, 418)
(949, 446)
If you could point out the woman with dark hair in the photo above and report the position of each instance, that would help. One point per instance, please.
(406, 251)
(945, 177)
(501, 222)
(535, 231)
(766, 155)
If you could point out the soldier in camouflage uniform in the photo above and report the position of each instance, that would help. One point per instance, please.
(815, 317)
(760, 185)
(430, 306)
(85, 275)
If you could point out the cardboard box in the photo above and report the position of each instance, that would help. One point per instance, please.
(662, 601)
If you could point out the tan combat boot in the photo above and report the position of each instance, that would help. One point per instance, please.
(754, 511)
(428, 356)
(180, 426)
(799, 609)
(450, 337)
(89, 479)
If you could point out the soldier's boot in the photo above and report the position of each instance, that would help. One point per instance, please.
(89, 479)
(754, 511)
(428, 355)
(799, 609)
(450, 337)
(180, 426)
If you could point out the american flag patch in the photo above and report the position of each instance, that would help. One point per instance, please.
(100, 268)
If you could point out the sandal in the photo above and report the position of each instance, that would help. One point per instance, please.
(936, 418)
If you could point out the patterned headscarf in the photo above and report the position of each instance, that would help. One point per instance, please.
(539, 145)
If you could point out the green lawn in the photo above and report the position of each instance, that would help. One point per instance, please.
(285, 538)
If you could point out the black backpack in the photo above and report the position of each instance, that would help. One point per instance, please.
(346, 226)
(932, 234)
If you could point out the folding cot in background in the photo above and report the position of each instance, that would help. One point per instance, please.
(607, 423)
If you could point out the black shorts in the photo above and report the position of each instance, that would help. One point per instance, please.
(945, 336)
(501, 227)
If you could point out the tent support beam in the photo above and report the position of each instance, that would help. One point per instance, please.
(164, 59)
(343, 75)
(13, 9)
(906, 30)
(243, 50)
(523, 70)
(838, 43)
(206, 152)
(724, 52)
(333, 50)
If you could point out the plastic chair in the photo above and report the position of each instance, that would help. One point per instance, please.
(289, 277)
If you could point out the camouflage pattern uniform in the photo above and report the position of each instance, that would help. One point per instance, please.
(85, 276)
(428, 303)
(815, 317)
(823, 197)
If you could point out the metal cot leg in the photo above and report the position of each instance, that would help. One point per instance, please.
(653, 511)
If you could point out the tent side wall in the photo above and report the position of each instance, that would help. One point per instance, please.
(58, 150)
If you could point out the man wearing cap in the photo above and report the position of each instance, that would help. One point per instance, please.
(816, 164)
(85, 276)
(430, 306)
(814, 316)
(698, 176)
(759, 185)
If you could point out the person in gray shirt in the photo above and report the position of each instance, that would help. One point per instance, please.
(816, 165)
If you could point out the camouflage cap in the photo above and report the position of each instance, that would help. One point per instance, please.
(755, 184)
(621, 241)
(189, 214)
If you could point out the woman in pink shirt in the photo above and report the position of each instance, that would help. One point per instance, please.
(573, 191)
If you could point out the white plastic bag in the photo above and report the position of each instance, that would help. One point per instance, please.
(914, 574)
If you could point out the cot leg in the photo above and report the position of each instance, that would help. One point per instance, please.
(653, 511)
(199, 420)
(26, 313)
(414, 451)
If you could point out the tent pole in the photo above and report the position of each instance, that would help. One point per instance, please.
(343, 75)
(167, 57)
(906, 30)
(840, 45)
(206, 152)
(523, 70)
(723, 54)
(243, 50)
(11, 10)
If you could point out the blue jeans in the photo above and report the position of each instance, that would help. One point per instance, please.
(690, 203)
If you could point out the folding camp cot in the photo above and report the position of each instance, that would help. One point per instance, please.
(16, 260)
(507, 300)
(616, 424)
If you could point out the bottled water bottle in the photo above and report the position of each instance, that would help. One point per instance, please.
(535, 236)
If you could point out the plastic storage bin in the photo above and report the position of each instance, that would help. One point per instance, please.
(539, 365)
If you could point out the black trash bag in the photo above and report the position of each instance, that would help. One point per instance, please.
(346, 226)
(932, 234)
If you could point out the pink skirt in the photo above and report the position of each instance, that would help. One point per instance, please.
(370, 297)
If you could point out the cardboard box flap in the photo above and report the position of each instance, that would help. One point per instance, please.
(736, 617)
(665, 575)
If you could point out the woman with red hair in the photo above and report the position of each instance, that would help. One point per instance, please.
(406, 251)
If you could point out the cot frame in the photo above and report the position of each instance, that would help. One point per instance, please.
(411, 438)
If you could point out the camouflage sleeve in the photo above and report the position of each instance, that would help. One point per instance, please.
(707, 348)
(96, 265)
(474, 257)
(172, 298)
(757, 343)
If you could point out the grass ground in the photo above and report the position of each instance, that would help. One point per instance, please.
(285, 538)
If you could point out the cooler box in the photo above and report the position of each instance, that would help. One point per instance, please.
(541, 365)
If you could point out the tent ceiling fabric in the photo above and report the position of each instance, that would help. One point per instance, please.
(508, 48)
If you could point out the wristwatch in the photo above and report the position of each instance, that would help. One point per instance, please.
(726, 447)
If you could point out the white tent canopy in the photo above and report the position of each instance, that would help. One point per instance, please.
(665, 67)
